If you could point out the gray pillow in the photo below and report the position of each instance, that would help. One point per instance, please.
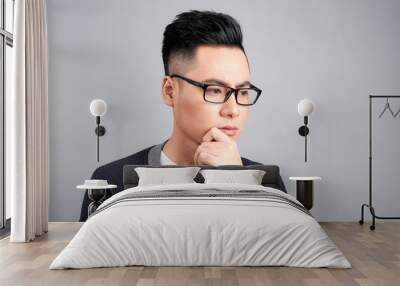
(250, 177)
(161, 176)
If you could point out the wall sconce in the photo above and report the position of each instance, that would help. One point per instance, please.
(305, 108)
(98, 108)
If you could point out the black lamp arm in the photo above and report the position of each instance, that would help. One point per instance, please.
(100, 131)
(303, 131)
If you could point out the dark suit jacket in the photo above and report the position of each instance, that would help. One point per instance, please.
(112, 172)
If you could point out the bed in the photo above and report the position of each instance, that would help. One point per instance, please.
(201, 223)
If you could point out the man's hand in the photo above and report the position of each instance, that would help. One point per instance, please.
(217, 148)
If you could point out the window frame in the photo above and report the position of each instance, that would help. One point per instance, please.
(6, 39)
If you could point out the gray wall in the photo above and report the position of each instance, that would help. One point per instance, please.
(335, 53)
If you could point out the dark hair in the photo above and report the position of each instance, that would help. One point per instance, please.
(195, 28)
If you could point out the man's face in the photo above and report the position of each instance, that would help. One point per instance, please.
(192, 114)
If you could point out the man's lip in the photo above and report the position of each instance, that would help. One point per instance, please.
(230, 132)
(228, 127)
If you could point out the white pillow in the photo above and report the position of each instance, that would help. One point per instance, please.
(161, 176)
(251, 177)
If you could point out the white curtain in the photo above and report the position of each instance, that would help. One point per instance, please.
(28, 123)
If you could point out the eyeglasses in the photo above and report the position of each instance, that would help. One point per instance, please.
(219, 94)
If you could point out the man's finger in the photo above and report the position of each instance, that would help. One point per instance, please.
(195, 156)
(213, 148)
(205, 158)
(216, 135)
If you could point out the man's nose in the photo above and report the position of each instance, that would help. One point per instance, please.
(230, 107)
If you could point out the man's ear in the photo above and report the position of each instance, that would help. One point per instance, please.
(168, 90)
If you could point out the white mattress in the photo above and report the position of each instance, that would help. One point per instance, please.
(182, 231)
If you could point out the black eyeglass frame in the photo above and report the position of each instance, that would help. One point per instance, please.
(227, 95)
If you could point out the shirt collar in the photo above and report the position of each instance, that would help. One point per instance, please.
(154, 155)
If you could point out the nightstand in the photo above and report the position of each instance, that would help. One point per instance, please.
(305, 190)
(96, 194)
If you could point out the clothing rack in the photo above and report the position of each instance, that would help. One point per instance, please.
(370, 205)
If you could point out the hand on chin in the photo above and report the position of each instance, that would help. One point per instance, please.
(217, 148)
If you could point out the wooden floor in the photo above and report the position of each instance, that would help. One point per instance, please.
(374, 255)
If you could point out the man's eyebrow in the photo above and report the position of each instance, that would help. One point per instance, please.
(220, 82)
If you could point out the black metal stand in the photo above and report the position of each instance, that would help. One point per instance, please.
(96, 196)
(369, 205)
(305, 193)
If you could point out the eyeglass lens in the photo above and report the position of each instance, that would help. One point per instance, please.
(217, 94)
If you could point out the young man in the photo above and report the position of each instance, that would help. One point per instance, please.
(207, 85)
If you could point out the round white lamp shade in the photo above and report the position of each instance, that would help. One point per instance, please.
(98, 107)
(305, 107)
